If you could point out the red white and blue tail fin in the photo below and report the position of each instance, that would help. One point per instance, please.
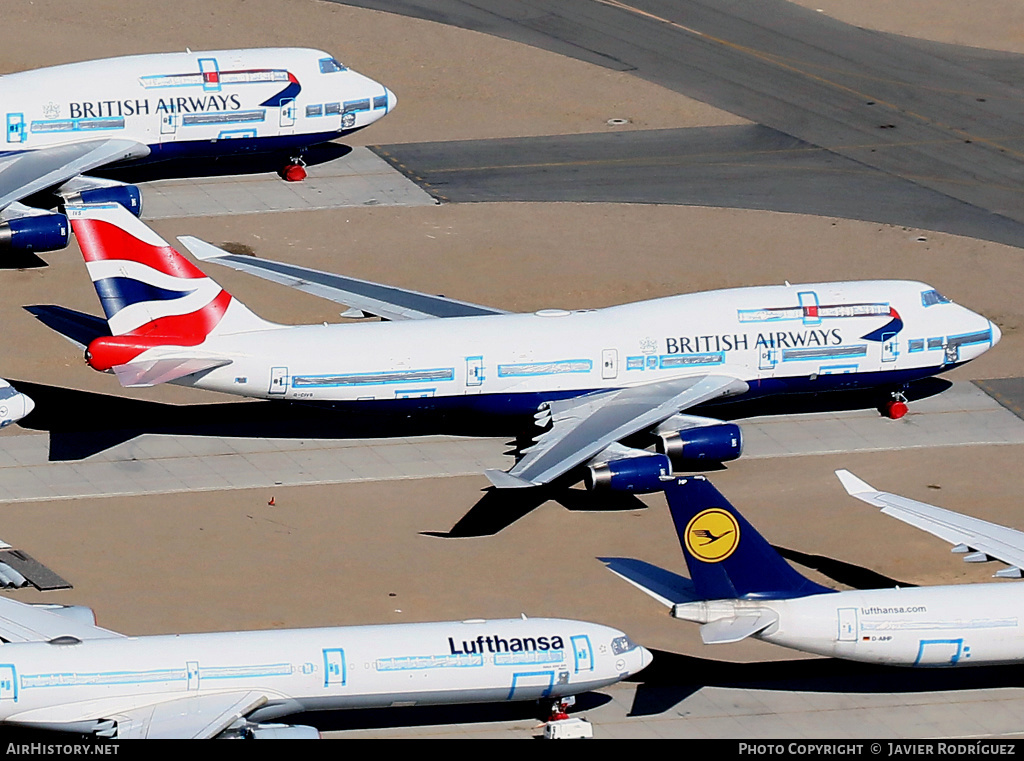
(146, 287)
(153, 297)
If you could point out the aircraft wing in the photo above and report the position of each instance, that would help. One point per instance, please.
(968, 534)
(363, 297)
(177, 717)
(22, 174)
(584, 426)
(20, 622)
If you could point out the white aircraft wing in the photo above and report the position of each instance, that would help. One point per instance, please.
(175, 717)
(584, 426)
(22, 174)
(385, 301)
(20, 622)
(198, 717)
(968, 534)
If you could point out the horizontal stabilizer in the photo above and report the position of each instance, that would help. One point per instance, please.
(726, 630)
(157, 371)
(77, 327)
(666, 587)
(503, 480)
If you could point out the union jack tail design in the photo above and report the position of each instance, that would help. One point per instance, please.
(160, 308)
(146, 287)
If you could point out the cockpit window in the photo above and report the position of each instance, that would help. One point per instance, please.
(931, 298)
(330, 65)
(622, 645)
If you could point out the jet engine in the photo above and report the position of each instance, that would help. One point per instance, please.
(698, 441)
(129, 196)
(35, 233)
(641, 474)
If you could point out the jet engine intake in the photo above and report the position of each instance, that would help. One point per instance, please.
(641, 475)
(701, 445)
(32, 234)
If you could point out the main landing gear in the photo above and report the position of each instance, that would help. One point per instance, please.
(896, 407)
(294, 170)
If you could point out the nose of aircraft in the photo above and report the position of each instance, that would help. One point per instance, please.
(29, 405)
(392, 100)
(996, 332)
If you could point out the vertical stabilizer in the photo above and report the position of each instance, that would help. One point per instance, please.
(149, 289)
(726, 556)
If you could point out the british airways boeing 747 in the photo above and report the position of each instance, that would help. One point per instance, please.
(589, 379)
(65, 121)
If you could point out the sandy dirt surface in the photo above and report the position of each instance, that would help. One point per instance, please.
(355, 553)
(358, 553)
(991, 24)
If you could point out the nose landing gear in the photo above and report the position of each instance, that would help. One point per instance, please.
(294, 170)
(896, 407)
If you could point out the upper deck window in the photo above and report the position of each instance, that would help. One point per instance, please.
(931, 298)
(330, 65)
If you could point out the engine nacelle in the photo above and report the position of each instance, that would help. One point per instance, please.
(129, 196)
(700, 445)
(281, 732)
(43, 232)
(631, 474)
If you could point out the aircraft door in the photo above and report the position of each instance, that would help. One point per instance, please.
(287, 118)
(192, 667)
(168, 125)
(334, 667)
(15, 128)
(582, 653)
(474, 371)
(610, 364)
(278, 381)
(890, 347)
(8, 683)
(847, 625)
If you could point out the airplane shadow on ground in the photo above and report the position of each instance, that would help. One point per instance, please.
(673, 677)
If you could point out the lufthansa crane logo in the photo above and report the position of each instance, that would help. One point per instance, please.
(712, 535)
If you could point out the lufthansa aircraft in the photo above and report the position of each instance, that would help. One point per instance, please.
(589, 378)
(741, 588)
(61, 672)
(65, 121)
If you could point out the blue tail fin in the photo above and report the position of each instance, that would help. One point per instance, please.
(726, 556)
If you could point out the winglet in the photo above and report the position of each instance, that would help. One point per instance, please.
(852, 484)
(503, 480)
(200, 249)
